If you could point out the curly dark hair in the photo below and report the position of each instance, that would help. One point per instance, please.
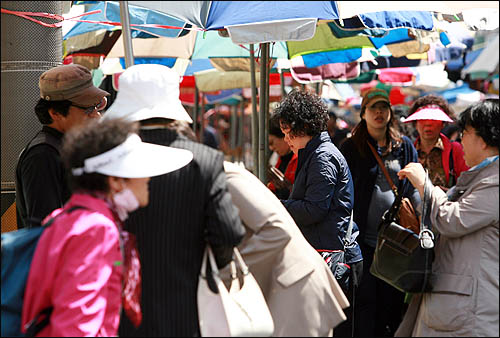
(303, 112)
(274, 126)
(432, 99)
(93, 139)
(483, 117)
(42, 109)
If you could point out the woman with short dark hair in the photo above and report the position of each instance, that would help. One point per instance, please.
(83, 260)
(321, 199)
(465, 221)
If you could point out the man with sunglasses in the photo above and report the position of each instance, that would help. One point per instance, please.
(68, 98)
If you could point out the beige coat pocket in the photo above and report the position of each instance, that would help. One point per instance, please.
(293, 274)
(449, 306)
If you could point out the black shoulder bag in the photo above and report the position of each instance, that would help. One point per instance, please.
(336, 260)
(402, 257)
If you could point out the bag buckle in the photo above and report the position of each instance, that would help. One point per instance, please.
(426, 238)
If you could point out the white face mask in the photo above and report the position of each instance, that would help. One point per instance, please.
(125, 202)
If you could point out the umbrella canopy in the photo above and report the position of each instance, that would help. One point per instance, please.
(486, 62)
(110, 13)
(251, 21)
(348, 9)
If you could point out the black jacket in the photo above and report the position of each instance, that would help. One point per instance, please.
(41, 182)
(186, 208)
(322, 196)
(364, 172)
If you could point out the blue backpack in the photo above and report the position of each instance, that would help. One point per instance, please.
(18, 248)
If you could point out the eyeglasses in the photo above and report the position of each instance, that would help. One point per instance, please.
(98, 107)
(464, 132)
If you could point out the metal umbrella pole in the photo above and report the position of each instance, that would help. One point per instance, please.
(233, 130)
(202, 118)
(264, 47)
(266, 113)
(241, 131)
(127, 36)
(282, 84)
(196, 108)
(255, 116)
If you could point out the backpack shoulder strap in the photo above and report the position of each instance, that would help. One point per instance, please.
(67, 211)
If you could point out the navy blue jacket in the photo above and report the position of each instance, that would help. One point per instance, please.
(321, 199)
(364, 173)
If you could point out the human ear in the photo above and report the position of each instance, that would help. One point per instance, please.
(55, 115)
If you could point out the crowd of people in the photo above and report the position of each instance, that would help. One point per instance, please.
(133, 198)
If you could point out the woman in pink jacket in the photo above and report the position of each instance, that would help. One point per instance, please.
(85, 268)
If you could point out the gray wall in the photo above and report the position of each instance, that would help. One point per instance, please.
(28, 49)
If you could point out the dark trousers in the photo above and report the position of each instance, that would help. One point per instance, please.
(379, 306)
(345, 329)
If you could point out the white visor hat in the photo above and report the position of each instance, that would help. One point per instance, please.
(135, 159)
(429, 112)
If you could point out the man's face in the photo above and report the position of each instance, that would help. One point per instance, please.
(79, 116)
(429, 129)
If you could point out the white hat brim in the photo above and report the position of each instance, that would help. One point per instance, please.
(147, 160)
(428, 114)
(121, 109)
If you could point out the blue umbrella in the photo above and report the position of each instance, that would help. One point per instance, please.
(110, 12)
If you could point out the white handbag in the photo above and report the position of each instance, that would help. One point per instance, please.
(239, 312)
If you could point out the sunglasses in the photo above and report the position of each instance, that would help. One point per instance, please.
(98, 107)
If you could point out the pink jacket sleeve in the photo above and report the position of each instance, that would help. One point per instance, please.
(88, 285)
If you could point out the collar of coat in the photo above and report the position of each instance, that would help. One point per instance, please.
(310, 147)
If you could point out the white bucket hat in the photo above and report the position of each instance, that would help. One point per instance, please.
(146, 91)
(135, 159)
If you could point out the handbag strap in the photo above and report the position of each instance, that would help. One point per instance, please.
(347, 238)
(426, 236)
(383, 168)
(213, 265)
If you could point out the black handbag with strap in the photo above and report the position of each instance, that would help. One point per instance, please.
(402, 257)
(336, 260)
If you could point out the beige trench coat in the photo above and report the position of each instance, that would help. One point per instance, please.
(301, 292)
(464, 300)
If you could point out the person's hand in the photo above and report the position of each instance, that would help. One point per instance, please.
(416, 174)
(279, 180)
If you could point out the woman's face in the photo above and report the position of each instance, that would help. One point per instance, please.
(377, 115)
(295, 142)
(278, 145)
(429, 129)
(140, 188)
(472, 144)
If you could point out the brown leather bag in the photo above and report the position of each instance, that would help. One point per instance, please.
(407, 217)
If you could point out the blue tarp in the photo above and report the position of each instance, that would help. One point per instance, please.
(224, 95)
(392, 36)
(398, 19)
(228, 13)
(451, 94)
(169, 62)
(110, 11)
